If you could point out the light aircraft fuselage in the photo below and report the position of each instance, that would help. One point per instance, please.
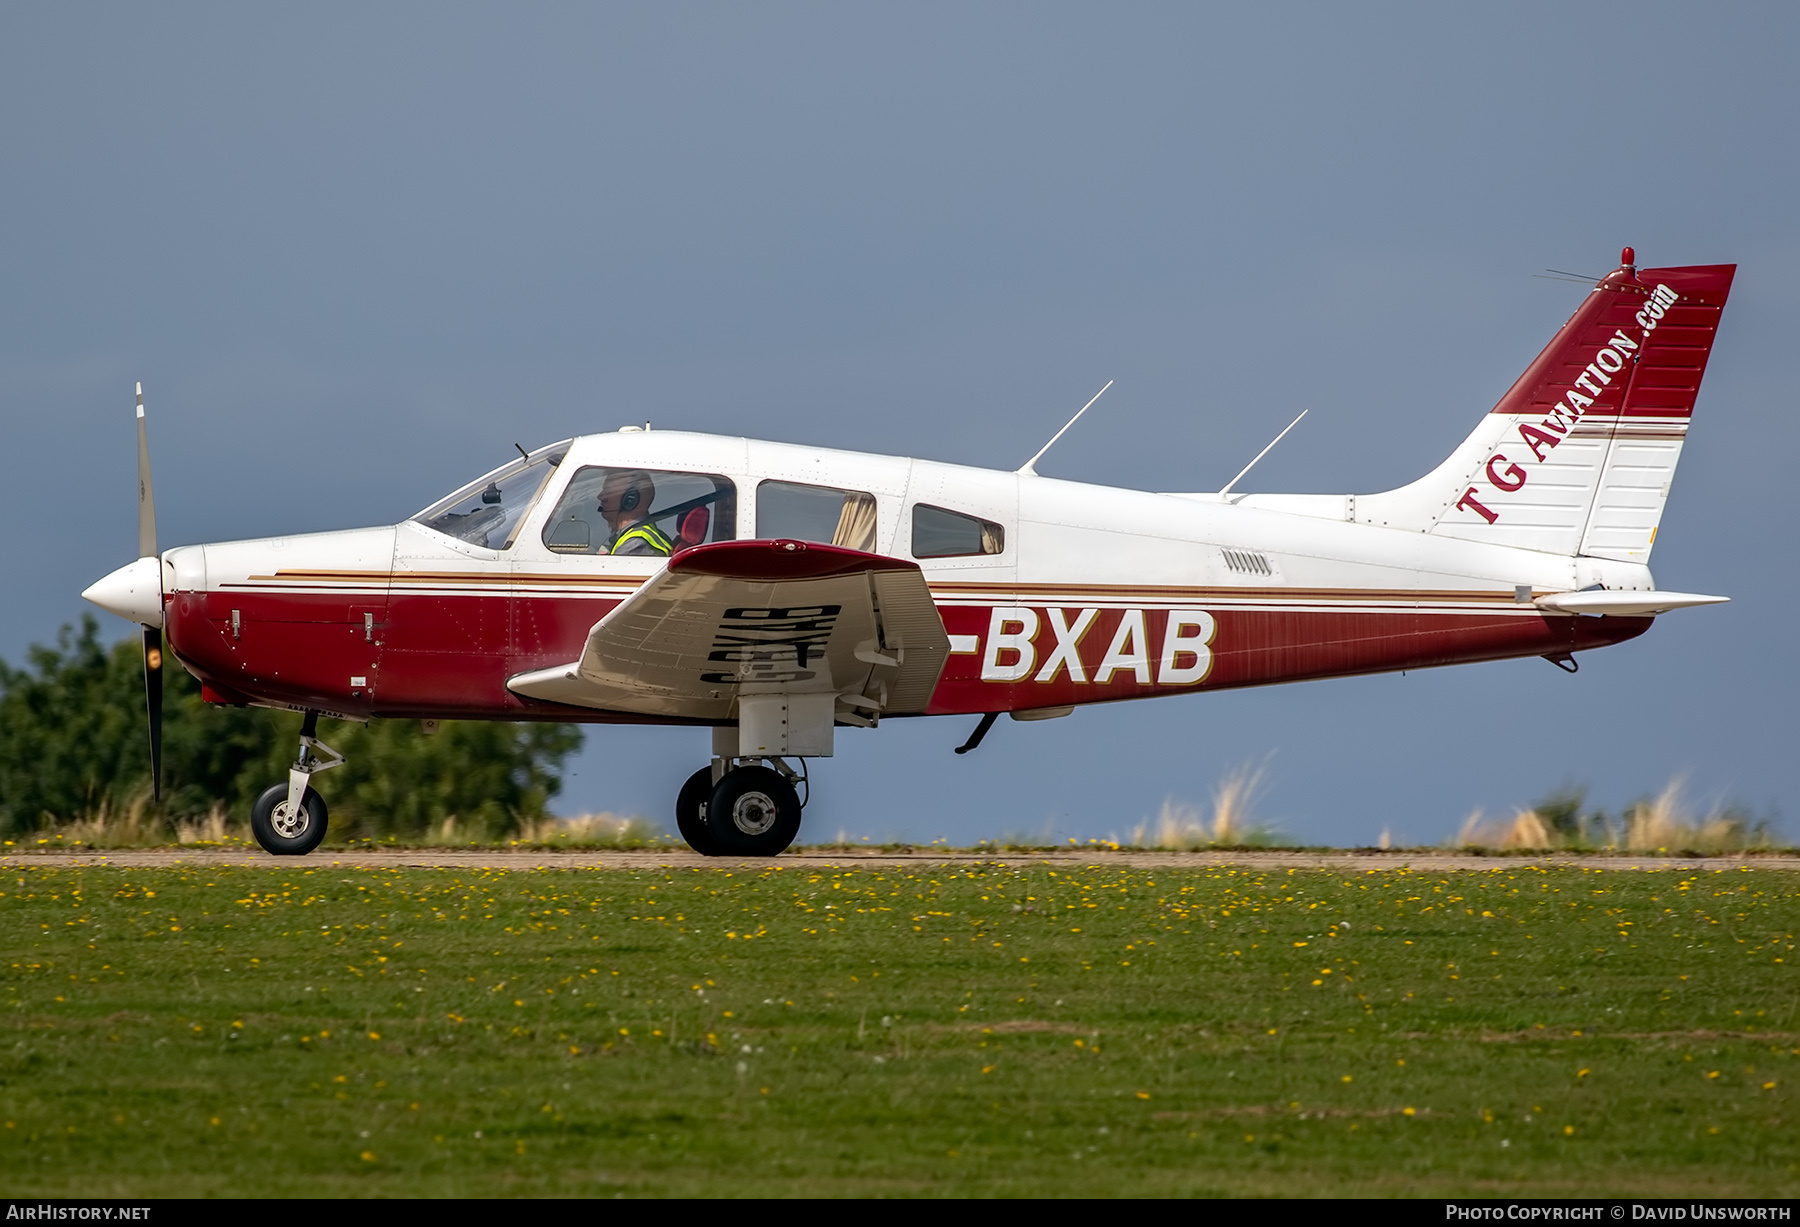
(1095, 593)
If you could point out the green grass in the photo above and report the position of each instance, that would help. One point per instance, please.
(1111, 1031)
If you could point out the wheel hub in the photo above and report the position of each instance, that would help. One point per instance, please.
(754, 813)
(289, 822)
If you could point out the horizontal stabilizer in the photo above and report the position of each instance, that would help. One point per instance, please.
(1625, 604)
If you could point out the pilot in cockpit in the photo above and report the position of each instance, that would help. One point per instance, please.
(625, 501)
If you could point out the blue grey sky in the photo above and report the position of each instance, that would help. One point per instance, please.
(355, 252)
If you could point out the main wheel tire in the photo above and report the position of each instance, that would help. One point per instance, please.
(690, 812)
(283, 832)
(753, 812)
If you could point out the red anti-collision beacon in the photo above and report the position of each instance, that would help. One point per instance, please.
(1628, 258)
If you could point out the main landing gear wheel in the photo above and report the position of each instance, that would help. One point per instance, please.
(753, 812)
(690, 812)
(284, 830)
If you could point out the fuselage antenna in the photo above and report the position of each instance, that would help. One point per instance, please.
(1027, 468)
(1265, 451)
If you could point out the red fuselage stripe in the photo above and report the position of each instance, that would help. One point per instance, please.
(444, 655)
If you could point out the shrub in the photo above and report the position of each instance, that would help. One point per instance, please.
(74, 747)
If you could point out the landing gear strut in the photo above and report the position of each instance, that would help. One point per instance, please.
(289, 819)
(741, 807)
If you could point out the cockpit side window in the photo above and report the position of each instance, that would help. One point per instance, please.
(786, 509)
(489, 511)
(653, 512)
(938, 533)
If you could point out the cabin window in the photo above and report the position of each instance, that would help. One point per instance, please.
(490, 510)
(937, 533)
(785, 509)
(648, 512)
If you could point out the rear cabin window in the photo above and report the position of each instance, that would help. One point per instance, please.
(785, 509)
(937, 533)
(650, 512)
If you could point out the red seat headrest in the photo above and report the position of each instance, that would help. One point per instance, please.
(693, 527)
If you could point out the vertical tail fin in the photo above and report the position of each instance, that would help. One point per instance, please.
(1578, 455)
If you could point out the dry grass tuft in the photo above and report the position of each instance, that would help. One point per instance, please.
(1231, 825)
(1663, 824)
(136, 825)
(582, 831)
(1526, 829)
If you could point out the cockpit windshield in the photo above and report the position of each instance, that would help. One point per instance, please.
(488, 511)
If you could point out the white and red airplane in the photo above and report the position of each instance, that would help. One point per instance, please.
(774, 593)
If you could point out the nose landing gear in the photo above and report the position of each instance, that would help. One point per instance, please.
(750, 809)
(289, 819)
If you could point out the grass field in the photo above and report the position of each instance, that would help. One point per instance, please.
(899, 1031)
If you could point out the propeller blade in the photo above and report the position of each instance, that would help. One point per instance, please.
(146, 501)
(153, 686)
(153, 647)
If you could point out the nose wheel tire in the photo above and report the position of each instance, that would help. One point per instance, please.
(690, 812)
(284, 831)
(753, 812)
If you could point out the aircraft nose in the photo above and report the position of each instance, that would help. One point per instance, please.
(134, 592)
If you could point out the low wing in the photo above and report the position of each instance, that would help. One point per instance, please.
(760, 617)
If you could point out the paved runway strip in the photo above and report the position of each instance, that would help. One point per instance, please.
(652, 858)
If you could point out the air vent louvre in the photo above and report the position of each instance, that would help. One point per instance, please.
(1247, 562)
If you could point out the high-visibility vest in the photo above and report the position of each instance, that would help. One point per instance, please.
(649, 535)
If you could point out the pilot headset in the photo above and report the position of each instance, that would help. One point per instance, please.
(629, 498)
